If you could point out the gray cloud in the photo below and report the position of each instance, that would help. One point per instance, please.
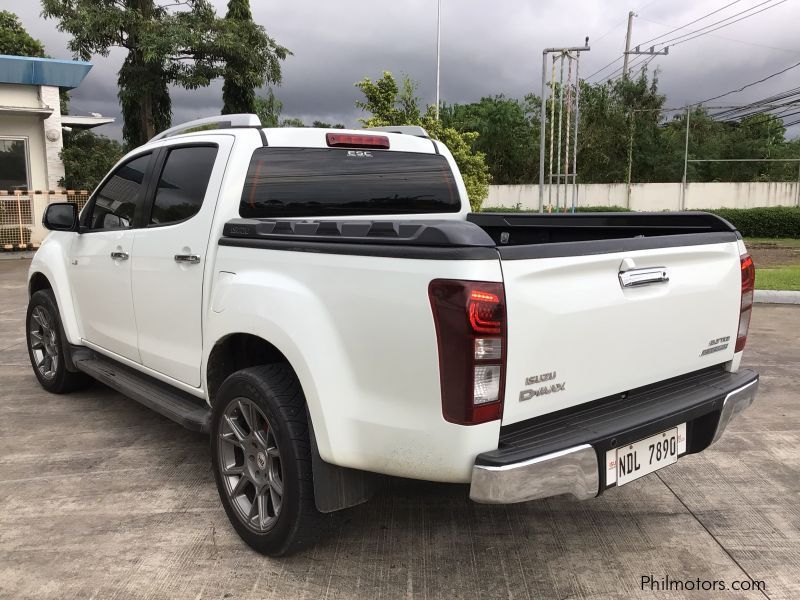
(487, 48)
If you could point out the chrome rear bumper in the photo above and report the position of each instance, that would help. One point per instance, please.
(575, 470)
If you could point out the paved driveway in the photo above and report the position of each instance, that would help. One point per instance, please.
(100, 498)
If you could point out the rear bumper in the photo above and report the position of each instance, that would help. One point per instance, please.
(565, 453)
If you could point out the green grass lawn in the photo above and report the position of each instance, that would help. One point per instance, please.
(777, 262)
(778, 242)
(780, 278)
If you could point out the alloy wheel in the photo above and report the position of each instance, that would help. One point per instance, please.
(43, 342)
(251, 464)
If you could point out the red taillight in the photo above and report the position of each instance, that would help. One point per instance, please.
(470, 318)
(357, 140)
(746, 306)
(485, 312)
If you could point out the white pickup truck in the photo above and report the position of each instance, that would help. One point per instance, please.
(326, 306)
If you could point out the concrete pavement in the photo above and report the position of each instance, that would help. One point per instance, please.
(101, 498)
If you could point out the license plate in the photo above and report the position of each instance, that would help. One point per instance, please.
(632, 461)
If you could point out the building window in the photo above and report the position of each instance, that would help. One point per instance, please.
(14, 164)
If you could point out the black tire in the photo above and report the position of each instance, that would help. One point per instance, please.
(43, 320)
(280, 420)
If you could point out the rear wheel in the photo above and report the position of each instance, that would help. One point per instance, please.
(45, 338)
(262, 459)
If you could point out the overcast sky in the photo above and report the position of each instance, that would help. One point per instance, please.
(488, 47)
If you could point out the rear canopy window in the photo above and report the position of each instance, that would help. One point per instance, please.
(317, 182)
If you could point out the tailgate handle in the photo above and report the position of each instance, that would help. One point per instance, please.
(644, 276)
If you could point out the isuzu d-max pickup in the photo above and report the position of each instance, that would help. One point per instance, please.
(324, 304)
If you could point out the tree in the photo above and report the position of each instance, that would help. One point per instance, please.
(182, 43)
(268, 110)
(87, 158)
(508, 134)
(391, 105)
(15, 40)
(326, 125)
(241, 78)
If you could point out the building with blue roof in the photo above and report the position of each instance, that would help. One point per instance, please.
(31, 123)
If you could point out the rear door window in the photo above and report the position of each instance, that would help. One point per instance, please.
(182, 184)
(306, 182)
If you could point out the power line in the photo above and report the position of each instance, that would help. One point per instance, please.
(619, 58)
(693, 34)
(697, 32)
(744, 87)
(607, 33)
(730, 39)
(637, 62)
(691, 22)
(728, 18)
(688, 39)
(610, 31)
(762, 105)
(769, 100)
(778, 116)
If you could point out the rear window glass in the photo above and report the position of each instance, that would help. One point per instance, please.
(306, 182)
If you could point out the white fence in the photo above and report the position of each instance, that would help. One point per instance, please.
(651, 196)
(21, 216)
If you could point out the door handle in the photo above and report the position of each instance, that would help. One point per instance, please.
(645, 276)
(192, 259)
(117, 255)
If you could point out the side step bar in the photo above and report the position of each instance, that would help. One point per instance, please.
(186, 410)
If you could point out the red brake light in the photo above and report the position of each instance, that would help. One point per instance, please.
(471, 335)
(357, 140)
(746, 306)
(485, 312)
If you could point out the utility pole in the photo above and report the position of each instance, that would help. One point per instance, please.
(685, 158)
(631, 14)
(631, 124)
(438, 49)
(652, 51)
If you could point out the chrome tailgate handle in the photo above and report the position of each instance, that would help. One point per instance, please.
(644, 276)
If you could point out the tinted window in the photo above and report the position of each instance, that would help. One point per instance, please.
(13, 165)
(182, 185)
(303, 182)
(117, 203)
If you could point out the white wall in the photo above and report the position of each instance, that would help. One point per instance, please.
(650, 196)
(19, 96)
(53, 139)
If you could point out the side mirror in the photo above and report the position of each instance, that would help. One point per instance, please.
(61, 216)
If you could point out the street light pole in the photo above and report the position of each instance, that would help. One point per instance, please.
(438, 50)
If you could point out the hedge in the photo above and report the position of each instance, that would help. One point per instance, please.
(771, 222)
(579, 209)
(766, 222)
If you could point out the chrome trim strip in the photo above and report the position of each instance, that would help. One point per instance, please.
(734, 403)
(572, 471)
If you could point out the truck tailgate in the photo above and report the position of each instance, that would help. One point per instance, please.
(575, 334)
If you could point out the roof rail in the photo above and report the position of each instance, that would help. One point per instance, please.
(405, 129)
(220, 122)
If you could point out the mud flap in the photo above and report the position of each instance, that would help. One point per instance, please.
(336, 488)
